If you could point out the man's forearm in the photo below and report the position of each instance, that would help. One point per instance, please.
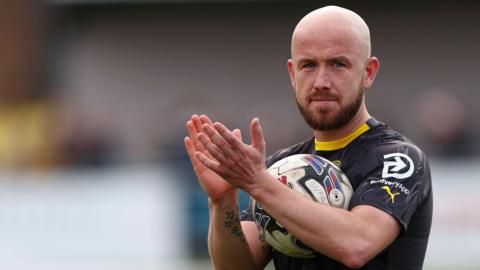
(350, 237)
(227, 243)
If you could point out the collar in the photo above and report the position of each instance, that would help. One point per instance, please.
(341, 143)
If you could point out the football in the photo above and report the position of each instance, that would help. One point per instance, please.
(314, 177)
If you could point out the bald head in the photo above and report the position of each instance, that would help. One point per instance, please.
(333, 22)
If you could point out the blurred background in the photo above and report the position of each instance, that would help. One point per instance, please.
(94, 96)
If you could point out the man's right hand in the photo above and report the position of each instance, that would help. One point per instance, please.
(213, 184)
(232, 244)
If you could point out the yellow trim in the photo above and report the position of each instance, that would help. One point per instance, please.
(341, 143)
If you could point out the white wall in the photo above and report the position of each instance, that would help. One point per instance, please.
(112, 219)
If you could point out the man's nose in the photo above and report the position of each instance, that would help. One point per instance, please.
(322, 80)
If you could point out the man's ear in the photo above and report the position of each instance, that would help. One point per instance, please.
(291, 72)
(371, 70)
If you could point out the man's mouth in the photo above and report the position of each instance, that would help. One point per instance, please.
(323, 100)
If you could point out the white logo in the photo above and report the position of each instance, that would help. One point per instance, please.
(393, 184)
(396, 163)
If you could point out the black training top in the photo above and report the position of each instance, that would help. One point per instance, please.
(386, 171)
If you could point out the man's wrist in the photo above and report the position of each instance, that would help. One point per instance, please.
(262, 185)
(228, 201)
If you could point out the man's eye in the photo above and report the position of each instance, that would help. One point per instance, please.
(338, 64)
(308, 65)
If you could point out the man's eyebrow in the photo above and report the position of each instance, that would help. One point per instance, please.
(304, 59)
(340, 58)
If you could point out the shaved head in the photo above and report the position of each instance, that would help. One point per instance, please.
(331, 67)
(332, 21)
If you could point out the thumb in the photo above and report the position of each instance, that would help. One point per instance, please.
(258, 141)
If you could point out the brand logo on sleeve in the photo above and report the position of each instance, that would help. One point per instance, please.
(397, 165)
(389, 192)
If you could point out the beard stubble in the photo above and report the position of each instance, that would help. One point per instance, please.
(337, 121)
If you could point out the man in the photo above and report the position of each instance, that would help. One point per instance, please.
(388, 222)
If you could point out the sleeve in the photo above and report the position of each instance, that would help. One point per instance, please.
(397, 180)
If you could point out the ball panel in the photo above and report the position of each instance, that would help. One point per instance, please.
(317, 190)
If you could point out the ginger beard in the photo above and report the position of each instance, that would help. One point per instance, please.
(324, 118)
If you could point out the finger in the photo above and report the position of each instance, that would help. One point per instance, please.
(213, 135)
(238, 133)
(194, 116)
(218, 140)
(193, 132)
(211, 148)
(197, 123)
(258, 141)
(191, 151)
(205, 119)
(228, 136)
(189, 147)
(212, 165)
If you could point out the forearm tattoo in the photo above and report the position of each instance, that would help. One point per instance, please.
(232, 223)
